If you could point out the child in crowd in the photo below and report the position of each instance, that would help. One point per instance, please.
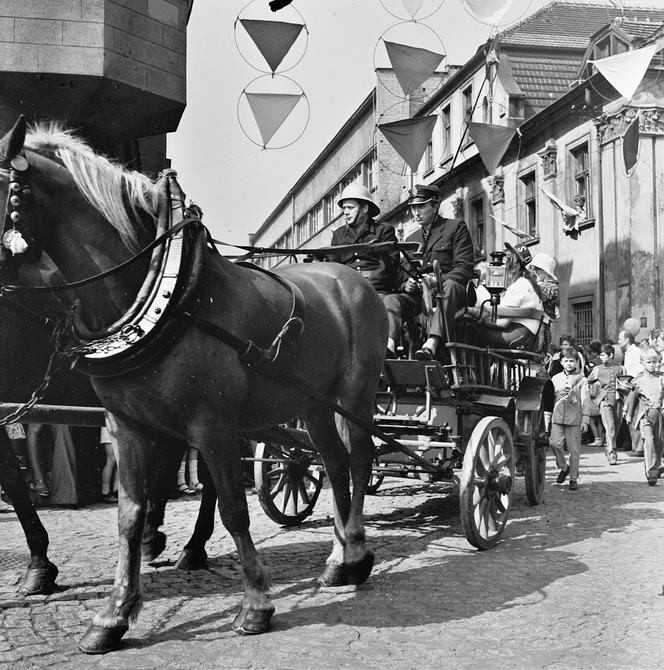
(570, 415)
(643, 409)
(605, 376)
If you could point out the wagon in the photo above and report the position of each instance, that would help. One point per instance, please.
(479, 419)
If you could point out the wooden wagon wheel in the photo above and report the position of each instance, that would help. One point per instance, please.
(531, 427)
(287, 482)
(486, 482)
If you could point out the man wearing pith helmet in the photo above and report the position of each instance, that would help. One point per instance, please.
(360, 227)
(447, 241)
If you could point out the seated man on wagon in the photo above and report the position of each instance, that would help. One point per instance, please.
(520, 313)
(380, 268)
(447, 241)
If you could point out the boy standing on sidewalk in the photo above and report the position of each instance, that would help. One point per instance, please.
(606, 374)
(570, 415)
(643, 410)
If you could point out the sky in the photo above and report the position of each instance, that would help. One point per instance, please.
(236, 182)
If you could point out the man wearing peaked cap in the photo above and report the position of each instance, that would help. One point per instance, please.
(447, 241)
(360, 227)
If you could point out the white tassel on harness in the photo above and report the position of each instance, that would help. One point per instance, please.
(13, 240)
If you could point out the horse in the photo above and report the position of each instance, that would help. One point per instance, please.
(237, 350)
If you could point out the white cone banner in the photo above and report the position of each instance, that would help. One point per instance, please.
(625, 71)
(412, 65)
(488, 11)
(410, 137)
(273, 38)
(271, 110)
(522, 235)
(412, 6)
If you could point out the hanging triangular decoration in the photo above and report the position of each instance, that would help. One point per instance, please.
(631, 146)
(273, 38)
(410, 137)
(489, 11)
(412, 6)
(412, 65)
(625, 71)
(491, 142)
(271, 110)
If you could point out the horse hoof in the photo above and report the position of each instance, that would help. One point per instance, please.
(358, 573)
(333, 575)
(39, 580)
(192, 559)
(152, 548)
(252, 621)
(99, 640)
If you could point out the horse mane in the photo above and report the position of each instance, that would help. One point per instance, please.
(106, 185)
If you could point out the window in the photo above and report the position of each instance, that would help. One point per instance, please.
(446, 118)
(368, 172)
(609, 46)
(529, 200)
(329, 208)
(313, 220)
(485, 110)
(582, 312)
(467, 97)
(581, 171)
(477, 225)
(428, 157)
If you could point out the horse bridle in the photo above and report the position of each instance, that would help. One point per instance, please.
(18, 194)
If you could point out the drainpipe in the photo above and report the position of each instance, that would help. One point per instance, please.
(655, 239)
(600, 244)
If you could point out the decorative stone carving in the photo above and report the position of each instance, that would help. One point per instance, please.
(497, 188)
(549, 157)
(651, 121)
(458, 204)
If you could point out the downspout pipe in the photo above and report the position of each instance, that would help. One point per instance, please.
(600, 244)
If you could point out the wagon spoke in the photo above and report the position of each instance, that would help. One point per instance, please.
(304, 494)
(288, 493)
(281, 482)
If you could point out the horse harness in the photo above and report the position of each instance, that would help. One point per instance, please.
(168, 300)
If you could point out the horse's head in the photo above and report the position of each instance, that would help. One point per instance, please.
(19, 239)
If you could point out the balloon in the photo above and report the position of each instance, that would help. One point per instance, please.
(488, 11)
(632, 326)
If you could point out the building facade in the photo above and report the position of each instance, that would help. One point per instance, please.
(571, 124)
(113, 69)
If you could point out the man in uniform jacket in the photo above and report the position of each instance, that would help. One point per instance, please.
(447, 241)
(380, 268)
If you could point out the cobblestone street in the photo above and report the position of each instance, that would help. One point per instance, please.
(576, 582)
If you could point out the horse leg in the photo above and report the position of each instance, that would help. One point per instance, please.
(224, 461)
(136, 455)
(159, 490)
(349, 562)
(41, 573)
(193, 555)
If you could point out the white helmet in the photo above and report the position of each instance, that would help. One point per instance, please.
(356, 191)
(546, 263)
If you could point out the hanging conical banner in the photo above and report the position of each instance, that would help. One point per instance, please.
(625, 71)
(412, 6)
(488, 11)
(273, 38)
(412, 65)
(271, 110)
(631, 146)
(491, 142)
(410, 137)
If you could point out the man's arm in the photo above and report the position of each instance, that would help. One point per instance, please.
(463, 256)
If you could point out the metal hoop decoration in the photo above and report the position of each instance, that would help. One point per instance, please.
(411, 19)
(387, 88)
(498, 24)
(239, 120)
(249, 63)
(406, 167)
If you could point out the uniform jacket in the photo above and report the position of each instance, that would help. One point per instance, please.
(607, 376)
(382, 269)
(648, 393)
(449, 243)
(572, 406)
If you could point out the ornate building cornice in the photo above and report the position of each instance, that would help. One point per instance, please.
(611, 127)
